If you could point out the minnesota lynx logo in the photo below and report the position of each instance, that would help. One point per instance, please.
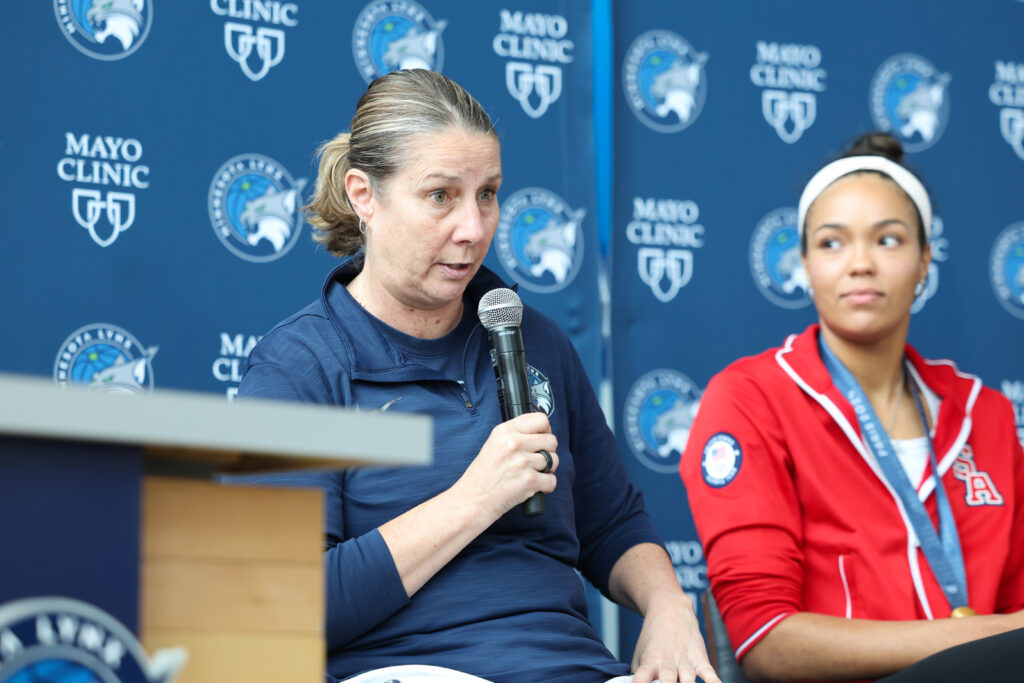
(790, 75)
(659, 411)
(1006, 269)
(105, 29)
(909, 100)
(1007, 92)
(540, 240)
(940, 254)
(61, 640)
(663, 77)
(253, 204)
(666, 232)
(540, 390)
(108, 162)
(256, 48)
(105, 357)
(537, 38)
(396, 34)
(775, 260)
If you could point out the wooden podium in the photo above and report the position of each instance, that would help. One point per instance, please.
(233, 574)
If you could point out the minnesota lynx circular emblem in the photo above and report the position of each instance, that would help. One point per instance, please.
(540, 240)
(664, 80)
(775, 260)
(105, 29)
(658, 414)
(105, 357)
(909, 99)
(396, 34)
(1006, 269)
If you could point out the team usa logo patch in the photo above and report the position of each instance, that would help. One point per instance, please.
(909, 99)
(540, 240)
(657, 416)
(107, 358)
(540, 390)
(254, 207)
(1006, 269)
(105, 29)
(721, 460)
(775, 260)
(664, 81)
(60, 640)
(396, 34)
(978, 486)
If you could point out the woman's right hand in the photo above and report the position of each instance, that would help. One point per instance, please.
(508, 469)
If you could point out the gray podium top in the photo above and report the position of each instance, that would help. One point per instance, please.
(204, 428)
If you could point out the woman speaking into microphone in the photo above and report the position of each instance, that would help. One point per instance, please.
(850, 495)
(437, 566)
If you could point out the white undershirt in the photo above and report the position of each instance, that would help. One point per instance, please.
(913, 453)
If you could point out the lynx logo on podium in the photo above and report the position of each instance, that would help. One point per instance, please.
(540, 240)
(910, 100)
(267, 37)
(69, 641)
(666, 232)
(1007, 92)
(111, 163)
(790, 75)
(105, 29)
(657, 417)
(254, 207)
(775, 260)
(1006, 269)
(537, 48)
(107, 358)
(664, 81)
(396, 34)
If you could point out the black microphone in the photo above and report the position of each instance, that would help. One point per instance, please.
(501, 312)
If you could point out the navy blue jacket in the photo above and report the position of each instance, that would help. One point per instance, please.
(510, 606)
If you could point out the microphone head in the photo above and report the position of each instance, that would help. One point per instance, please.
(500, 308)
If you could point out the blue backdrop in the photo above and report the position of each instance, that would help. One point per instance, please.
(154, 156)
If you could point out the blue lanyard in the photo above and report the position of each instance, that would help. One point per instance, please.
(944, 556)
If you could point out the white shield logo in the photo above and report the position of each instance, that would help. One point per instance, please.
(524, 79)
(239, 40)
(1011, 125)
(673, 265)
(780, 106)
(120, 211)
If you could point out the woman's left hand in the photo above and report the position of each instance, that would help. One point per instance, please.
(670, 648)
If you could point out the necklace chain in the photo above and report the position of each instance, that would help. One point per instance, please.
(897, 398)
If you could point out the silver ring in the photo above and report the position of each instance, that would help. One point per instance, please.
(549, 462)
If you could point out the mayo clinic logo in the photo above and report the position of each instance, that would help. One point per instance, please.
(105, 161)
(1006, 269)
(1007, 92)
(540, 240)
(256, 47)
(939, 245)
(105, 29)
(107, 358)
(537, 38)
(691, 569)
(396, 34)
(657, 416)
(1014, 390)
(254, 207)
(775, 260)
(909, 100)
(667, 232)
(69, 641)
(664, 80)
(230, 366)
(790, 75)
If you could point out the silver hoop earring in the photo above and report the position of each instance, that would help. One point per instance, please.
(810, 292)
(362, 226)
(919, 288)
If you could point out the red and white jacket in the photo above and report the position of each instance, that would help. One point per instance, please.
(795, 515)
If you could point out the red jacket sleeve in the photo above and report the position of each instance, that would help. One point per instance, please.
(1011, 587)
(738, 477)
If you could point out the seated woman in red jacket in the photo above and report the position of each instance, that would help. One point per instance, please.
(851, 495)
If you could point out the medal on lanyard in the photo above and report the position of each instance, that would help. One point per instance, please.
(942, 550)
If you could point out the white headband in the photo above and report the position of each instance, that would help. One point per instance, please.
(837, 169)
